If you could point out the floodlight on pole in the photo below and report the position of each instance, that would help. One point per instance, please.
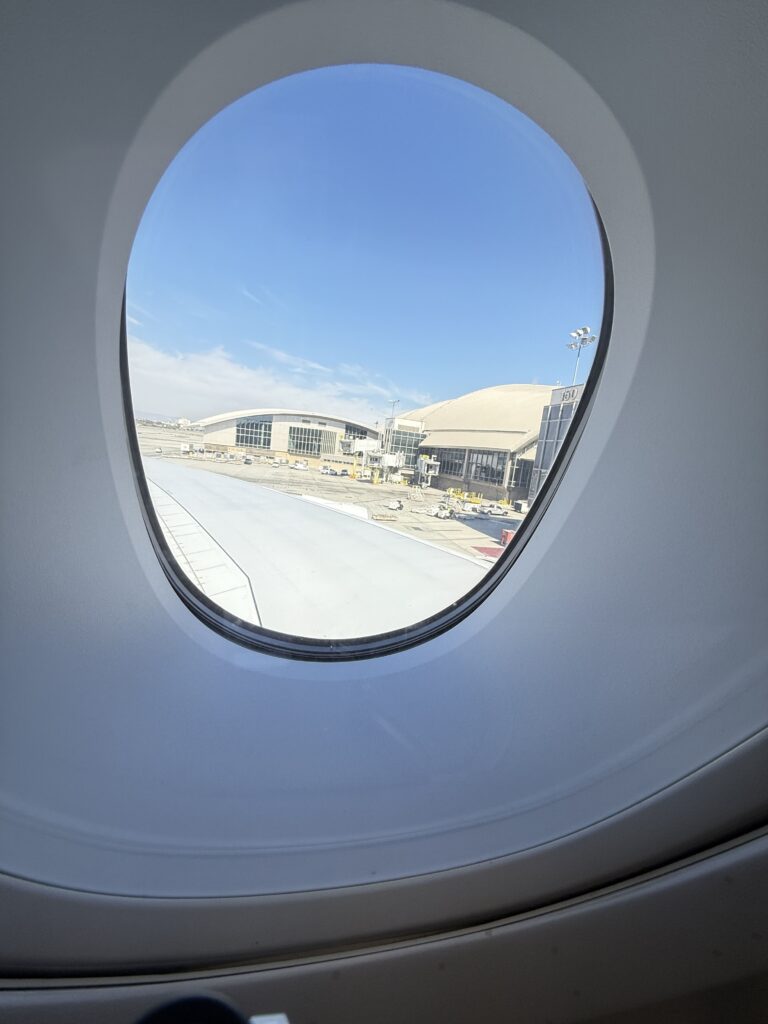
(582, 337)
(389, 425)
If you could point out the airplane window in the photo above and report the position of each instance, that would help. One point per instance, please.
(361, 306)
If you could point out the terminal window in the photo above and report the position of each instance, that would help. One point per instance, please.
(487, 467)
(407, 443)
(254, 433)
(451, 461)
(304, 440)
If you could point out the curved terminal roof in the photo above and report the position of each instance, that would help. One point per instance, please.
(224, 417)
(505, 417)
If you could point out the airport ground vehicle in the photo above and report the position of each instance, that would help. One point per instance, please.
(637, 896)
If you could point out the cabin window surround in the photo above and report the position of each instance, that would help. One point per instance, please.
(309, 648)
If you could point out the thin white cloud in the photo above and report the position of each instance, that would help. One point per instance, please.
(296, 363)
(265, 297)
(205, 383)
(251, 296)
(136, 308)
(134, 321)
(362, 382)
(350, 380)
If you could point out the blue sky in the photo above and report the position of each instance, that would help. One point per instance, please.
(353, 235)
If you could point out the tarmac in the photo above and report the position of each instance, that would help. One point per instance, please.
(312, 569)
(474, 536)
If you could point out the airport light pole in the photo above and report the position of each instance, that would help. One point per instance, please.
(582, 336)
(388, 435)
(388, 431)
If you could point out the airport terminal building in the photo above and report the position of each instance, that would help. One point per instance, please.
(287, 432)
(556, 420)
(485, 441)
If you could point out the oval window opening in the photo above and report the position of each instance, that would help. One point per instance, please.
(362, 319)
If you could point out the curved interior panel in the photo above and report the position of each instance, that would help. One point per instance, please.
(601, 711)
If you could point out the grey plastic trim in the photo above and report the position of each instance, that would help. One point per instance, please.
(68, 932)
(698, 925)
(60, 932)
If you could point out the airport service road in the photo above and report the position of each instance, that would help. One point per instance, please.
(315, 571)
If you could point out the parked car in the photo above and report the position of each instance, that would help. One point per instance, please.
(344, 472)
(247, 461)
(300, 464)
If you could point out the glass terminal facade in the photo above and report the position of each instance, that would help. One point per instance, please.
(254, 432)
(487, 467)
(555, 422)
(452, 461)
(311, 441)
(405, 442)
(353, 433)
(520, 476)
(475, 466)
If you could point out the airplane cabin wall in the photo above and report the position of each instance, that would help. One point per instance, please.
(587, 886)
